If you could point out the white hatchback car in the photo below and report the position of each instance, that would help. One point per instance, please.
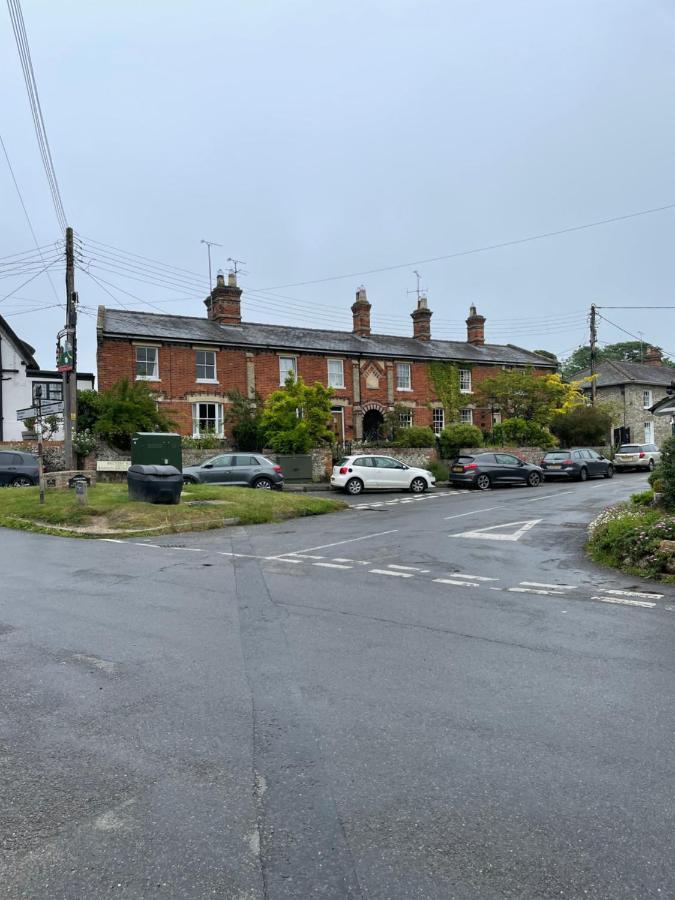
(357, 473)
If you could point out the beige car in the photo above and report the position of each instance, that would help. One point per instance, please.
(637, 456)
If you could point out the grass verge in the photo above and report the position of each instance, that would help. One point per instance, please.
(109, 511)
(628, 537)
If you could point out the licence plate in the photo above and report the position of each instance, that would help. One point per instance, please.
(627, 458)
(458, 468)
(555, 467)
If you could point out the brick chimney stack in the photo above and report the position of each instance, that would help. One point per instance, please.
(653, 356)
(223, 304)
(361, 313)
(422, 320)
(475, 327)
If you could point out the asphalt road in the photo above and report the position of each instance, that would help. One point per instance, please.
(390, 702)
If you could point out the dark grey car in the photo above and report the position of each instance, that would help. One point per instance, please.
(18, 469)
(240, 469)
(482, 470)
(578, 463)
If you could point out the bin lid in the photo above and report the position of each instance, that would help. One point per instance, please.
(160, 471)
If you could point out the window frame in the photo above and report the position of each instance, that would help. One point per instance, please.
(341, 362)
(199, 380)
(218, 419)
(648, 428)
(647, 398)
(437, 413)
(466, 416)
(399, 367)
(465, 375)
(46, 386)
(406, 414)
(282, 377)
(155, 374)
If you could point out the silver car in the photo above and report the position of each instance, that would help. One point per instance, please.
(637, 456)
(241, 469)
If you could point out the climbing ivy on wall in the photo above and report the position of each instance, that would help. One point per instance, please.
(445, 379)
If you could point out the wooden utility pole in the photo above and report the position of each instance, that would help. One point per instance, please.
(70, 377)
(593, 346)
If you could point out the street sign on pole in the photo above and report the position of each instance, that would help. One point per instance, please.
(48, 408)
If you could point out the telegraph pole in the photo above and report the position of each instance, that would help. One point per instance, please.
(593, 346)
(70, 376)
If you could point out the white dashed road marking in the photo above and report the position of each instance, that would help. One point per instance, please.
(625, 602)
(471, 584)
(389, 572)
(409, 568)
(633, 594)
(476, 577)
(527, 590)
(542, 584)
(331, 565)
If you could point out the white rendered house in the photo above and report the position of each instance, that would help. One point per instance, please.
(19, 375)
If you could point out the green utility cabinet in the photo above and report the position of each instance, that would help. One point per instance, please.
(156, 449)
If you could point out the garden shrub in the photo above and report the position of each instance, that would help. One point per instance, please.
(454, 437)
(628, 538)
(519, 432)
(438, 470)
(415, 436)
(665, 473)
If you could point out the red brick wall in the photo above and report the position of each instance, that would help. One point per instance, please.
(116, 359)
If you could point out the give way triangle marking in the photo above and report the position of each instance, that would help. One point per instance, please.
(496, 532)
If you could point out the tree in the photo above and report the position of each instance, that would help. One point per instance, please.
(665, 473)
(623, 351)
(126, 408)
(582, 425)
(297, 417)
(520, 394)
(87, 410)
(245, 417)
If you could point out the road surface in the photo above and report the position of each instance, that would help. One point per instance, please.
(437, 697)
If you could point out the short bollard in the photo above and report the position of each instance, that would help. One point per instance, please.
(81, 492)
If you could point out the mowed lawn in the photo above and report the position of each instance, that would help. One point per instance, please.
(109, 510)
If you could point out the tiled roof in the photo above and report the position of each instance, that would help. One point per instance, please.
(611, 373)
(186, 329)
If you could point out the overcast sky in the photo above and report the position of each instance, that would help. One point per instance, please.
(317, 139)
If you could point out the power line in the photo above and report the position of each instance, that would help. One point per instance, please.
(629, 333)
(513, 243)
(28, 280)
(19, 28)
(25, 212)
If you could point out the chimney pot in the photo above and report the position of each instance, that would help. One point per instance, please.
(223, 305)
(232, 278)
(422, 320)
(653, 356)
(361, 313)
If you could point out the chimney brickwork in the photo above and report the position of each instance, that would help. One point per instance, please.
(653, 357)
(223, 304)
(475, 327)
(361, 314)
(422, 320)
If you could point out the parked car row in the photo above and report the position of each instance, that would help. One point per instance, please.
(360, 472)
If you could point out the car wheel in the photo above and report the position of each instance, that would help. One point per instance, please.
(263, 484)
(534, 479)
(21, 481)
(418, 485)
(583, 474)
(482, 482)
(651, 465)
(354, 486)
(189, 480)
(610, 472)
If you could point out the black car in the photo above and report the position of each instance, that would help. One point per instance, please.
(18, 469)
(578, 463)
(482, 470)
(237, 469)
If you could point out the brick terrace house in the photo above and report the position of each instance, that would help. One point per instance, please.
(632, 388)
(193, 363)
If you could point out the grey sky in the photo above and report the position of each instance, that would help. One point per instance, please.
(314, 139)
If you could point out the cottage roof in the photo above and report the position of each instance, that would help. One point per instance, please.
(187, 329)
(611, 373)
(25, 350)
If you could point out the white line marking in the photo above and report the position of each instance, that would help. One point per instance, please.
(113, 541)
(139, 544)
(306, 556)
(474, 512)
(475, 577)
(407, 568)
(284, 559)
(244, 555)
(488, 534)
(353, 562)
(522, 590)
(548, 496)
(457, 583)
(389, 572)
(625, 602)
(363, 537)
(405, 501)
(542, 584)
(632, 594)
(331, 565)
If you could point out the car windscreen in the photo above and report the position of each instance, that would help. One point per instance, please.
(557, 454)
(629, 448)
(343, 461)
(463, 460)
